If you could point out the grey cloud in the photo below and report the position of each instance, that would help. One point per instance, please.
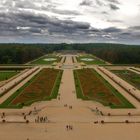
(86, 3)
(113, 7)
(25, 4)
(99, 3)
(49, 6)
(31, 24)
(16, 4)
(65, 12)
(35, 30)
(114, 1)
(7, 3)
(19, 22)
(105, 13)
(131, 32)
(53, 9)
(112, 30)
(116, 21)
(125, 33)
(134, 28)
(38, 23)
(94, 30)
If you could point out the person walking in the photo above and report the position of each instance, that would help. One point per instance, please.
(67, 127)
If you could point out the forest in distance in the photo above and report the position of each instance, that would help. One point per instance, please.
(113, 53)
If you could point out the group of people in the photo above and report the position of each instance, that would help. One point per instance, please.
(3, 115)
(41, 119)
(70, 107)
(69, 127)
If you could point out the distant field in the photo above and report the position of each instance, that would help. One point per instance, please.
(5, 75)
(89, 60)
(129, 76)
(50, 59)
(44, 86)
(91, 86)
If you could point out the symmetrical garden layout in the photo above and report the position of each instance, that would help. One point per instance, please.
(59, 96)
(91, 86)
(43, 86)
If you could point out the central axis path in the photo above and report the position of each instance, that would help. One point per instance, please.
(67, 88)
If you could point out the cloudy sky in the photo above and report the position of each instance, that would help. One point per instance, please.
(70, 21)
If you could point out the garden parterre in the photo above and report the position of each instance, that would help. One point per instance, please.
(43, 86)
(91, 86)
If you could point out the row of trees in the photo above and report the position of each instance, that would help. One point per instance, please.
(114, 53)
(18, 54)
(23, 53)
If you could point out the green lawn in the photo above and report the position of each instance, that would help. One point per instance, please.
(43, 86)
(95, 61)
(5, 75)
(129, 76)
(91, 86)
(43, 62)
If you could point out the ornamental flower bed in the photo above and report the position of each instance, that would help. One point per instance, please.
(39, 89)
(94, 87)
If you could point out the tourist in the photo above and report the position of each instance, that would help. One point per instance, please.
(25, 117)
(34, 108)
(70, 127)
(67, 127)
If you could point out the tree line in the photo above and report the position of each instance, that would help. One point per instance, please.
(114, 53)
(18, 54)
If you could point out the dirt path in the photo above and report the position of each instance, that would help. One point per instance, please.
(67, 87)
(134, 70)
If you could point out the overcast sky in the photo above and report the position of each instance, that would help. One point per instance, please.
(70, 21)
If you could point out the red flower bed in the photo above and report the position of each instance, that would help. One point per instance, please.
(94, 88)
(40, 88)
